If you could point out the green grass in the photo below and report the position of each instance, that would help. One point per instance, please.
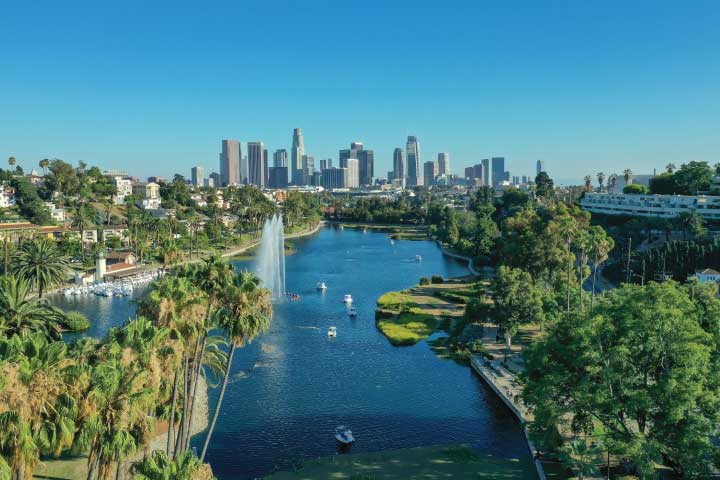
(396, 300)
(426, 463)
(408, 328)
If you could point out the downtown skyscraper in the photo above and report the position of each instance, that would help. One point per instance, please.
(399, 167)
(230, 162)
(280, 158)
(414, 167)
(197, 176)
(443, 163)
(257, 162)
(296, 154)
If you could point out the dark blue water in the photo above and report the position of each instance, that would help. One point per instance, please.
(293, 386)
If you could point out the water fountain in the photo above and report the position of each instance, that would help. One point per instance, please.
(271, 258)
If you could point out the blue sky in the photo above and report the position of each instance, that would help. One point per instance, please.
(152, 87)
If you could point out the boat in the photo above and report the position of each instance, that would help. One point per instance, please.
(321, 286)
(352, 312)
(332, 332)
(392, 242)
(347, 298)
(418, 258)
(344, 435)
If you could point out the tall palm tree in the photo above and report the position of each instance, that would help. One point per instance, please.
(44, 164)
(627, 173)
(246, 316)
(601, 246)
(588, 182)
(82, 219)
(39, 262)
(12, 161)
(601, 179)
(670, 167)
(613, 181)
(20, 313)
(170, 254)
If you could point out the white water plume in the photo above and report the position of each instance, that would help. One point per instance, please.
(271, 258)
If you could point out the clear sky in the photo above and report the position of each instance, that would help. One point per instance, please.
(153, 87)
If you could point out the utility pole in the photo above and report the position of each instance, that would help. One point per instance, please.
(627, 271)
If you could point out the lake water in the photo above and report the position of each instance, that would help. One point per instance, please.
(293, 386)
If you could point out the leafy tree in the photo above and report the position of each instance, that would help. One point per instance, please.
(635, 189)
(39, 262)
(160, 467)
(581, 457)
(643, 365)
(21, 313)
(544, 186)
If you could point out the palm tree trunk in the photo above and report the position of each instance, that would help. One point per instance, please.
(181, 428)
(117, 470)
(220, 400)
(171, 422)
(592, 297)
(193, 395)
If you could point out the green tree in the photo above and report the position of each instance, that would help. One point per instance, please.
(20, 313)
(184, 467)
(635, 189)
(544, 186)
(39, 262)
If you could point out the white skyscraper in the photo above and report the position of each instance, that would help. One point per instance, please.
(443, 163)
(414, 167)
(296, 154)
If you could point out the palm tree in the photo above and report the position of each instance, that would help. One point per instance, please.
(670, 167)
(40, 263)
(627, 173)
(601, 245)
(19, 313)
(613, 181)
(588, 182)
(170, 254)
(12, 161)
(581, 457)
(246, 316)
(600, 179)
(184, 467)
(82, 219)
(44, 164)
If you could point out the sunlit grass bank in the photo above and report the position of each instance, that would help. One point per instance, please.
(408, 327)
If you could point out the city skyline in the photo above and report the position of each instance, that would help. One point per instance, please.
(578, 85)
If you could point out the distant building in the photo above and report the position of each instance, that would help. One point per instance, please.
(334, 177)
(296, 153)
(366, 161)
(280, 158)
(256, 163)
(147, 195)
(539, 167)
(443, 163)
(708, 275)
(123, 189)
(414, 169)
(214, 180)
(7, 196)
(353, 169)
(430, 171)
(278, 177)
(197, 176)
(325, 163)
(156, 179)
(498, 175)
(308, 168)
(399, 167)
(230, 163)
(661, 206)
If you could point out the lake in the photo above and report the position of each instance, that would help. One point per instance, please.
(292, 387)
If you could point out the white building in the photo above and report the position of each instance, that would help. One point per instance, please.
(708, 275)
(7, 196)
(662, 206)
(58, 214)
(124, 189)
(148, 195)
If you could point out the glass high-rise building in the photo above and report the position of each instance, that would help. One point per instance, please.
(430, 172)
(197, 176)
(308, 168)
(443, 163)
(539, 167)
(280, 158)
(498, 174)
(399, 170)
(256, 164)
(230, 162)
(366, 158)
(485, 171)
(414, 166)
(296, 153)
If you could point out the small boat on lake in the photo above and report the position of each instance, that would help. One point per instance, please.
(418, 258)
(352, 312)
(321, 286)
(347, 298)
(344, 435)
(332, 332)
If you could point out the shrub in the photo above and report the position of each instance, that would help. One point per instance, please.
(635, 189)
(424, 281)
(75, 322)
(437, 279)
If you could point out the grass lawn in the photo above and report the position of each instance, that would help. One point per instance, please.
(426, 463)
(408, 328)
(395, 300)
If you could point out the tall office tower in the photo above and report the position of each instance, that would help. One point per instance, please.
(265, 166)
(470, 174)
(216, 179)
(399, 167)
(334, 177)
(414, 167)
(366, 158)
(308, 168)
(280, 158)
(256, 168)
(244, 170)
(443, 163)
(498, 171)
(353, 169)
(296, 154)
(352, 152)
(325, 163)
(524, 179)
(429, 173)
(197, 174)
(278, 177)
(539, 167)
(479, 173)
(486, 172)
(230, 163)
(390, 176)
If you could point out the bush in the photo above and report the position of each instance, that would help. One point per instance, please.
(437, 279)
(635, 189)
(75, 322)
(424, 281)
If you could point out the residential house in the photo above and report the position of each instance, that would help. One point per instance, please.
(708, 275)
(7, 196)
